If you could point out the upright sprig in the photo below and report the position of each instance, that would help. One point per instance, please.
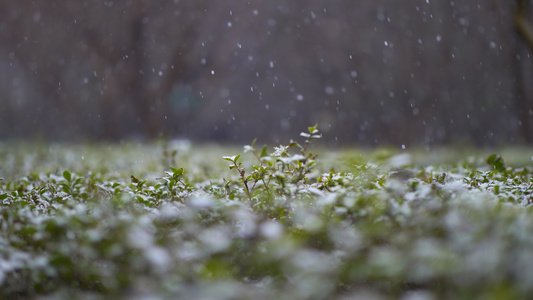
(278, 169)
(313, 134)
(242, 172)
(175, 181)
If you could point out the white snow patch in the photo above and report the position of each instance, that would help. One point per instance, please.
(271, 230)
(400, 160)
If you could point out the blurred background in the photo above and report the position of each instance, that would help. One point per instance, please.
(370, 72)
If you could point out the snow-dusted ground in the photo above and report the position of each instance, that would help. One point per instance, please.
(115, 221)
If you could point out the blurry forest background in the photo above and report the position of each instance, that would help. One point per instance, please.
(370, 72)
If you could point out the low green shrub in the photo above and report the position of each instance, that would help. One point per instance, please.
(276, 226)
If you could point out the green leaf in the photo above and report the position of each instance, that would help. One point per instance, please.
(264, 151)
(233, 158)
(134, 179)
(177, 172)
(65, 188)
(497, 163)
(295, 144)
(313, 129)
(67, 175)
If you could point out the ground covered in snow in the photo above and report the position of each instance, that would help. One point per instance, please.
(116, 221)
